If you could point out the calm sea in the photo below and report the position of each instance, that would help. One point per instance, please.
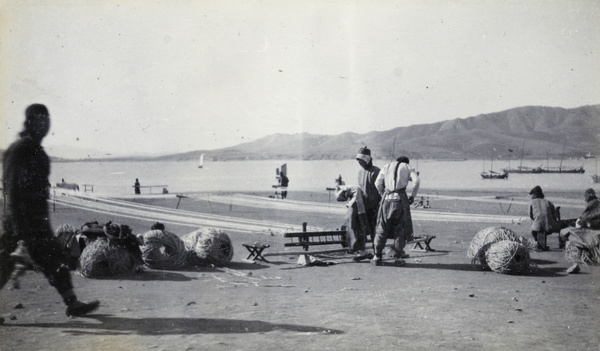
(117, 178)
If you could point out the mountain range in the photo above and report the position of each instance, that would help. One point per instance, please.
(531, 132)
(537, 132)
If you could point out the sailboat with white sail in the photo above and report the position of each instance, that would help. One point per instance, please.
(201, 164)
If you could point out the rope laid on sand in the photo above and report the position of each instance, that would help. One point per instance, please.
(163, 250)
(209, 246)
(506, 257)
(101, 259)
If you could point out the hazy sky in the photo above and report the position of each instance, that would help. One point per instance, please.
(174, 76)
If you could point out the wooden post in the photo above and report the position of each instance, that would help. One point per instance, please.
(179, 200)
(305, 237)
(329, 190)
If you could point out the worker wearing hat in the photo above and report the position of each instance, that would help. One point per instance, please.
(544, 217)
(362, 214)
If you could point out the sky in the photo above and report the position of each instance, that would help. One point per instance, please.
(157, 77)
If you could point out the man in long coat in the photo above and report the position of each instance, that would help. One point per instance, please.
(26, 168)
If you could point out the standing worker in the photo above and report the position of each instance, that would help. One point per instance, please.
(284, 181)
(394, 218)
(137, 186)
(543, 217)
(26, 168)
(362, 225)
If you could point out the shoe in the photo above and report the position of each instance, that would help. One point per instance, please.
(573, 269)
(359, 258)
(400, 262)
(21, 255)
(79, 308)
(376, 261)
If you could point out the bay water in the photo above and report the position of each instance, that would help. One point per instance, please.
(117, 178)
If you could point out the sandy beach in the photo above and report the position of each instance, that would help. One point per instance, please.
(437, 301)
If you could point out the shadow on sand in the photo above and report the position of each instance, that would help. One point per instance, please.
(111, 325)
(534, 271)
(178, 276)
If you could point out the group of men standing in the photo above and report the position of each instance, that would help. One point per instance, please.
(380, 207)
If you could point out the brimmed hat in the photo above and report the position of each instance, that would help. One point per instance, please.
(364, 154)
(117, 232)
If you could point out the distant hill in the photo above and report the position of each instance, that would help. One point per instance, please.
(545, 131)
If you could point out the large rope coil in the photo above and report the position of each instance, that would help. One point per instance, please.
(208, 246)
(162, 249)
(102, 259)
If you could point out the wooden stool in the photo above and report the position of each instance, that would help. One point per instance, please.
(418, 240)
(256, 250)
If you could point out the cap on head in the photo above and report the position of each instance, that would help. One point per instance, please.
(403, 159)
(158, 226)
(537, 191)
(364, 154)
(35, 111)
(589, 194)
(37, 121)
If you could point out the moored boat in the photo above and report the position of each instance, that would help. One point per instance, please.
(491, 174)
(523, 169)
(563, 170)
(589, 155)
(494, 175)
(560, 168)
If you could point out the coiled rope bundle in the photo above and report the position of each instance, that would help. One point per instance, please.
(482, 241)
(208, 246)
(508, 257)
(102, 259)
(583, 246)
(116, 254)
(163, 250)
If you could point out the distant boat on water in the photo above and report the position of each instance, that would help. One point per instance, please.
(201, 164)
(491, 174)
(563, 170)
(589, 155)
(521, 168)
(560, 168)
